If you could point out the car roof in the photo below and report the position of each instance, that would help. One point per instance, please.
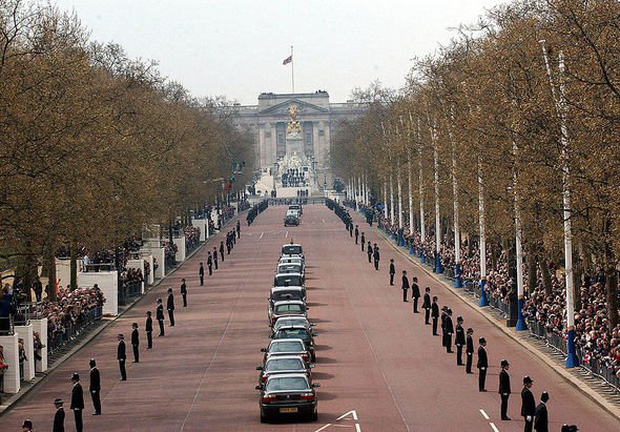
(287, 274)
(278, 303)
(288, 375)
(291, 244)
(292, 287)
(286, 340)
(286, 357)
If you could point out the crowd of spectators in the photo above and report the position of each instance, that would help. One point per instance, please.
(192, 237)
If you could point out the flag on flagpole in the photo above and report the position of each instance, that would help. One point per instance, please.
(288, 60)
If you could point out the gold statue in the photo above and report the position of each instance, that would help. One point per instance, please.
(293, 124)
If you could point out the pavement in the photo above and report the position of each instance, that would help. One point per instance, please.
(379, 367)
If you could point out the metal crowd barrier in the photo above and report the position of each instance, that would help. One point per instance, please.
(64, 333)
(128, 292)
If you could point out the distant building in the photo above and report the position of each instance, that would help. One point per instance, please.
(318, 117)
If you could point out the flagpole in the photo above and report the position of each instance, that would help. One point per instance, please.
(292, 70)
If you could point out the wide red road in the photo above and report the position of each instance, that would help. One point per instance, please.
(374, 357)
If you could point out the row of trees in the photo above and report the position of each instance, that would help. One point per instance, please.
(94, 145)
(513, 126)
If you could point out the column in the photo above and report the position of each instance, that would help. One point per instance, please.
(483, 245)
(26, 334)
(11, 357)
(40, 326)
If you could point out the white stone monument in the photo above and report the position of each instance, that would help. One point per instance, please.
(25, 332)
(40, 326)
(107, 281)
(11, 357)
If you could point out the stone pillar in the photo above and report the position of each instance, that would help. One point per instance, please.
(40, 326)
(25, 333)
(108, 284)
(180, 244)
(11, 357)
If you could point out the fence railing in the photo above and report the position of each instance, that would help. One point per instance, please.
(66, 332)
(127, 292)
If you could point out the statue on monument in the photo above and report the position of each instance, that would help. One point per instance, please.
(293, 123)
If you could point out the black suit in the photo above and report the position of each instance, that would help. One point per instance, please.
(469, 350)
(528, 408)
(222, 250)
(482, 365)
(504, 391)
(121, 357)
(201, 272)
(541, 424)
(160, 318)
(459, 341)
(95, 389)
(392, 273)
(448, 331)
(405, 286)
(77, 405)
(184, 294)
(357, 233)
(148, 328)
(363, 242)
(170, 307)
(59, 420)
(426, 305)
(435, 316)
(215, 258)
(415, 295)
(377, 257)
(135, 344)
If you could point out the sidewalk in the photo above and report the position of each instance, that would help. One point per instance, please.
(580, 378)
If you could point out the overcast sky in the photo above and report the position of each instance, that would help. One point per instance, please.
(235, 48)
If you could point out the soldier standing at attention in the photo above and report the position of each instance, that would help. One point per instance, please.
(215, 257)
(210, 263)
(541, 424)
(59, 417)
(201, 272)
(159, 315)
(77, 401)
(184, 292)
(426, 305)
(376, 256)
(170, 307)
(350, 227)
(95, 386)
(363, 241)
(357, 233)
(459, 340)
(121, 356)
(504, 389)
(449, 330)
(148, 328)
(435, 314)
(483, 364)
(135, 343)
(392, 271)
(405, 285)
(528, 404)
(222, 250)
(369, 251)
(469, 350)
(238, 229)
(415, 294)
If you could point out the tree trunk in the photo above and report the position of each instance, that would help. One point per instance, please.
(73, 263)
(546, 276)
(51, 272)
(611, 287)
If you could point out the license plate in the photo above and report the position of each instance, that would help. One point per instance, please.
(288, 410)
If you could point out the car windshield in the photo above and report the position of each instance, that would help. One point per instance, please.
(289, 268)
(286, 346)
(288, 280)
(291, 250)
(284, 364)
(297, 308)
(291, 322)
(293, 334)
(284, 295)
(287, 383)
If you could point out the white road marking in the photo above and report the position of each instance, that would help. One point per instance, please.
(286, 235)
(323, 428)
(358, 428)
(323, 220)
(352, 412)
(485, 415)
(494, 427)
(261, 235)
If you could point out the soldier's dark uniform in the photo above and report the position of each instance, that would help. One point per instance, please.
(459, 340)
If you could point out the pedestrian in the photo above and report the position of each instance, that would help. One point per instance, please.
(210, 263)
(121, 356)
(350, 228)
(357, 233)
(184, 292)
(135, 342)
(170, 307)
(159, 315)
(238, 229)
(405, 285)
(201, 273)
(415, 294)
(77, 401)
(448, 330)
(426, 305)
(369, 251)
(469, 350)
(59, 416)
(504, 389)
(435, 314)
(483, 364)
(376, 256)
(94, 386)
(27, 425)
(148, 328)
(222, 250)
(459, 340)
(215, 257)
(541, 424)
(363, 239)
(392, 271)
(528, 404)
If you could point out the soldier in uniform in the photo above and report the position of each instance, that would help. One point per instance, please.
(27, 425)
(59, 417)
(210, 263)
(222, 250)
(376, 256)
(135, 342)
(357, 233)
(504, 389)
(392, 271)
(541, 424)
(350, 227)
(426, 305)
(121, 356)
(77, 401)
(459, 340)
(405, 285)
(483, 364)
(148, 328)
(238, 229)
(201, 273)
(159, 315)
(528, 404)
(363, 241)
(184, 292)
(215, 257)
(95, 386)
(415, 294)
(369, 251)
(434, 314)
(170, 307)
(448, 330)
(469, 350)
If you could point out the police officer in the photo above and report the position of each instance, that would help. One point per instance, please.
(159, 315)
(504, 388)
(238, 229)
(201, 272)
(135, 342)
(415, 294)
(222, 250)
(483, 364)
(435, 314)
(376, 256)
(148, 328)
(77, 401)
(405, 285)
(528, 404)
(170, 307)
(215, 257)
(121, 356)
(541, 424)
(426, 305)
(369, 251)
(357, 234)
(392, 271)
(184, 292)
(27, 425)
(449, 330)
(350, 227)
(210, 263)
(363, 241)
(95, 386)
(469, 350)
(59, 417)
(459, 340)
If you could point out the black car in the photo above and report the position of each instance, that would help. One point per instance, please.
(298, 332)
(287, 395)
(291, 220)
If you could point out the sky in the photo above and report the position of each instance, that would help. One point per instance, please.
(235, 48)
